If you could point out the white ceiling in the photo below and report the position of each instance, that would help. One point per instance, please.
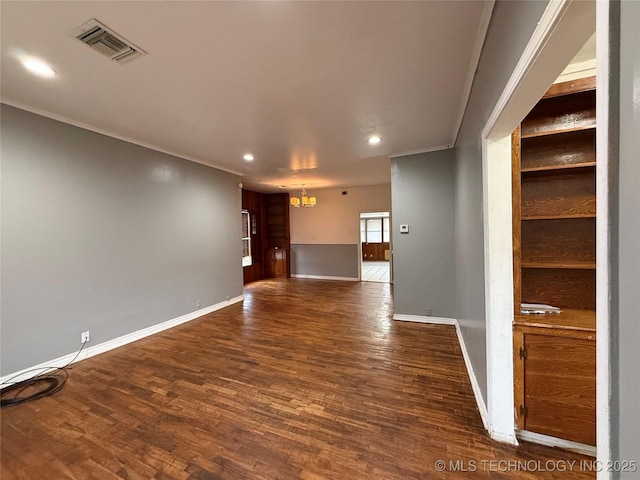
(301, 85)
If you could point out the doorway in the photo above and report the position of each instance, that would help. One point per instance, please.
(375, 247)
(554, 265)
(562, 31)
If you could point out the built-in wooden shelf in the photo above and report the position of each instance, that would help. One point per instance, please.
(562, 287)
(567, 319)
(576, 147)
(559, 131)
(578, 85)
(562, 114)
(558, 217)
(569, 193)
(559, 168)
(563, 265)
(554, 263)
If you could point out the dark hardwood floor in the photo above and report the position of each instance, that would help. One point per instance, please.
(307, 379)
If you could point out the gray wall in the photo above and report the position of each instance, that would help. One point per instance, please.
(325, 260)
(628, 239)
(422, 196)
(512, 24)
(103, 235)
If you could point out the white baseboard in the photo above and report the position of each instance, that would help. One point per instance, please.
(549, 441)
(115, 342)
(324, 277)
(424, 319)
(477, 393)
(475, 386)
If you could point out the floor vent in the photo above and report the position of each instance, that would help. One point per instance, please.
(104, 40)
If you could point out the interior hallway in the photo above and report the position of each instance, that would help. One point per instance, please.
(306, 379)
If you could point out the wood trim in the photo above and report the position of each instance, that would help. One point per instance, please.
(568, 318)
(558, 167)
(558, 131)
(562, 265)
(559, 331)
(558, 217)
(572, 86)
(516, 193)
(518, 378)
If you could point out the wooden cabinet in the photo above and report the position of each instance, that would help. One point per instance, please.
(278, 262)
(375, 252)
(270, 241)
(277, 209)
(278, 244)
(554, 215)
(555, 381)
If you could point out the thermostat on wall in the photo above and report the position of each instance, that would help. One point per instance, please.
(404, 228)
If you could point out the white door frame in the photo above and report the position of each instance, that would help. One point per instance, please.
(564, 27)
(390, 244)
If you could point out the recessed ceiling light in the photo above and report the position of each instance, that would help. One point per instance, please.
(374, 140)
(39, 68)
(248, 157)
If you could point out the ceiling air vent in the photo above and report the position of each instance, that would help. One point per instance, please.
(101, 38)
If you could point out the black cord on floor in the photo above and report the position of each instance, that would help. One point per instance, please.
(50, 381)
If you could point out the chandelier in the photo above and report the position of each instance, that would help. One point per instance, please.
(303, 201)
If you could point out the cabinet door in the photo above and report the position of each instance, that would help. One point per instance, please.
(559, 386)
(278, 261)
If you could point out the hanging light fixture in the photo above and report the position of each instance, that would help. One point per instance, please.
(304, 200)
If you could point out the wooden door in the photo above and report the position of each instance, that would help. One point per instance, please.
(278, 262)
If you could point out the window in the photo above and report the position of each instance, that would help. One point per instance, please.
(246, 239)
(374, 230)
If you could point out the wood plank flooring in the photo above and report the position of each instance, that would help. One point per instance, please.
(306, 379)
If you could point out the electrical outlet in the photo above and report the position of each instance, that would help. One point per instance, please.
(428, 311)
(198, 303)
(84, 337)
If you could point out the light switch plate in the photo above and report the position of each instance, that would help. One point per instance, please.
(404, 228)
